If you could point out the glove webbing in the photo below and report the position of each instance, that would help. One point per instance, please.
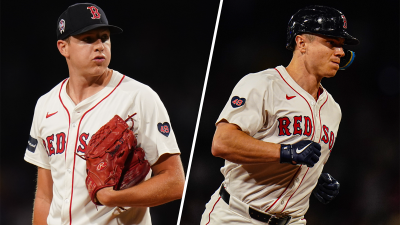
(84, 157)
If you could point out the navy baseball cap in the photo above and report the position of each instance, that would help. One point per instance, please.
(82, 17)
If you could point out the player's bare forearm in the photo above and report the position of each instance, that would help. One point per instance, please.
(234, 145)
(41, 210)
(166, 185)
(43, 198)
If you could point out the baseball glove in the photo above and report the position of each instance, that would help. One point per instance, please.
(113, 159)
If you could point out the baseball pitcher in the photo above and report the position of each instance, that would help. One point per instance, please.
(98, 136)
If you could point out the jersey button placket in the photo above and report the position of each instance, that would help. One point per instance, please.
(292, 192)
(69, 165)
(317, 125)
(65, 209)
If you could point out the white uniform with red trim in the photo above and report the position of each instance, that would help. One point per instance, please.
(270, 106)
(60, 129)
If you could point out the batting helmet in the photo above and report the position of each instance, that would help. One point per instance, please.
(318, 20)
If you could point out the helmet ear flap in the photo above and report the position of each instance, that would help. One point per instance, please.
(347, 60)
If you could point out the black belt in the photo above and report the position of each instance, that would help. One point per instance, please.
(269, 219)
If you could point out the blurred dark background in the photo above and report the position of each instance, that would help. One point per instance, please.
(365, 160)
(165, 44)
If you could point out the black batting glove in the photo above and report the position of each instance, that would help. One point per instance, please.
(327, 188)
(303, 152)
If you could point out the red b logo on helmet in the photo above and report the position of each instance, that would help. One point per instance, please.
(344, 22)
(95, 12)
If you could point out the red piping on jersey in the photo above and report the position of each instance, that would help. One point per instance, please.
(312, 114)
(76, 142)
(209, 215)
(320, 123)
(320, 91)
(69, 118)
(295, 190)
(284, 190)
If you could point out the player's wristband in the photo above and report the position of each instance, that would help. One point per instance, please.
(286, 154)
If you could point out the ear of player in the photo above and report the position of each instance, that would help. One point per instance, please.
(301, 153)
(327, 188)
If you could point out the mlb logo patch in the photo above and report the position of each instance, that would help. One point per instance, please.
(61, 26)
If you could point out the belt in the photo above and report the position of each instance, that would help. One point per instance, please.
(257, 215)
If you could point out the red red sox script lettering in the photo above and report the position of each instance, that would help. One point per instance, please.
(57, 145)
(299, 129)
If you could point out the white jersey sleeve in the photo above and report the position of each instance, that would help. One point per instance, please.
(155, 134)
(36, 152)
(245, 106)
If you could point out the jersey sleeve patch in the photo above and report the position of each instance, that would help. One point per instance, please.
(164, 128)
(32, 143)
(237, 101)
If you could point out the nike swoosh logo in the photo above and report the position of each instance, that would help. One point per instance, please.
(290, 97)
(301, 150)
(48, 115)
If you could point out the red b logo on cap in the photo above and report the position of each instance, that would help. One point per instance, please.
(95, 12)
(344, 22)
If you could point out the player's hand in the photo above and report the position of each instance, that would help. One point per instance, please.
(327, 188)
(104, 196)
(303, 152)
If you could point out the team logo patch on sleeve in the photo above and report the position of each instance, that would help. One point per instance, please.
(237, 101)
(164, 128)
(32, 143)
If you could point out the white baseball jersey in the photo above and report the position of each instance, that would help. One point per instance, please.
(270, 106)
(60, 129)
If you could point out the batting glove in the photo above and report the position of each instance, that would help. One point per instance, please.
(327, 188)
(303, 152)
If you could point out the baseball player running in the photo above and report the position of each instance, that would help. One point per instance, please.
(67, 116)
(279, 126)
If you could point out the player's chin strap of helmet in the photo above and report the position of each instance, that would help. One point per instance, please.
(347, 60)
